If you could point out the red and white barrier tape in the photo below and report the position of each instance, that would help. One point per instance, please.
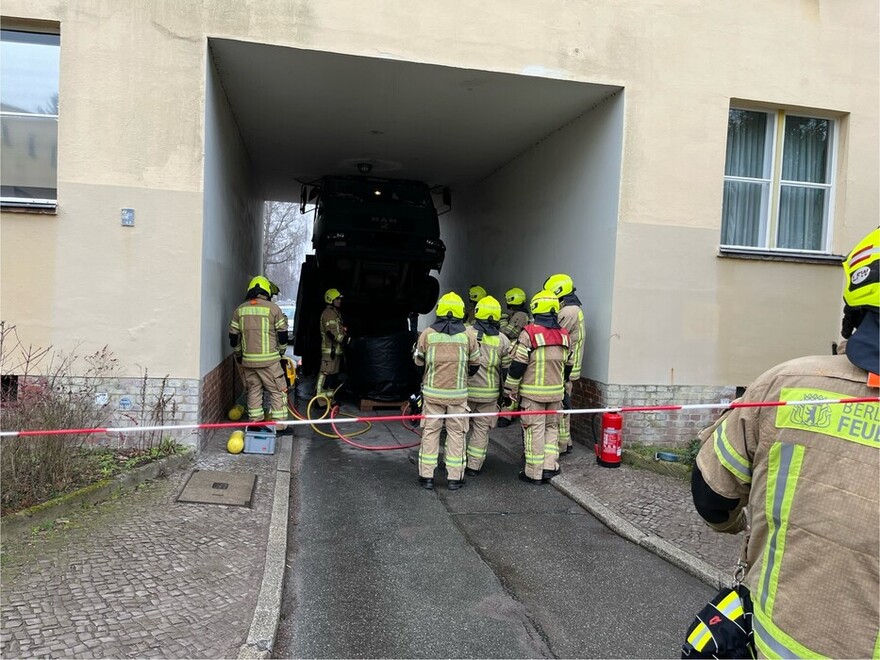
(398, 418)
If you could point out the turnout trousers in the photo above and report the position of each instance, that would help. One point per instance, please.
(456, 429)
(540, 437)
(565, 424)
(478, 437)
(271, 378)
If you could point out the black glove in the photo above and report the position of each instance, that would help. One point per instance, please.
(506, 401)
(566, 401)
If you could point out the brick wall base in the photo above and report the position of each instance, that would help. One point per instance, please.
(675, 428)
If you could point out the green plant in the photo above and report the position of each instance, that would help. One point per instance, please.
(690, 452)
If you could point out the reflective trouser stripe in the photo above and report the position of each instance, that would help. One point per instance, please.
(737, 465)
(475, 452)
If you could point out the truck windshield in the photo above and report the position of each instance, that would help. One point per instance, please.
(406, 193)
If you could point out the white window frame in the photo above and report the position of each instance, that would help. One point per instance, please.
(772, 182)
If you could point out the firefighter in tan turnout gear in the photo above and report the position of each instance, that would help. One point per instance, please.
(258, 336)
(333, 339)
(541, 362)
(484, 387)
(446, 353)
(475, 293)
(809, 476)
(571, 317)
(517, 317)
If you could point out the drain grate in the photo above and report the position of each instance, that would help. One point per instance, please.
(229, 488)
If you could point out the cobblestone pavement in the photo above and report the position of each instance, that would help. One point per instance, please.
(141, 575)
(655, 503)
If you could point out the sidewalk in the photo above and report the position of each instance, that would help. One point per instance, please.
(653, 510)
(141, 575)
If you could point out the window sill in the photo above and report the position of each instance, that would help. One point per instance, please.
(26, 208)
(774, 255)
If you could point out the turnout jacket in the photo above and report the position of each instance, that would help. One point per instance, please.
(539, 360)
(513, 325)
(571, 317)
(446, 359)
(810, 477)
(258, 332)
(485, 385)
(332, 333)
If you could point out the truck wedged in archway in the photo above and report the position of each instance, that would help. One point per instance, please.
(377, 241)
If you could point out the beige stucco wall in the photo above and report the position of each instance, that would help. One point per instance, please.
(131, 135)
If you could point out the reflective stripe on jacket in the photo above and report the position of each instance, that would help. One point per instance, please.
(811, 474)
(485, 385)
(571, 317)
(446, 359)
(513, 325)
(331, 322)
(258, 321)
(545, 352)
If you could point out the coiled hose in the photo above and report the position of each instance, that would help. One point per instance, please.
(333, 412)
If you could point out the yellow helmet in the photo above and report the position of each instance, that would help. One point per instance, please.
(488, 309)
(273, 288)
(544, 302)
(450, 303)
(330, 295)
(559, 284)
(515, 296)
(262, 283)
(862, 268)
(476, 292)
(235, 444)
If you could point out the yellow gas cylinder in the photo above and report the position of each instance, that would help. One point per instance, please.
(236, 412)
(235, 444)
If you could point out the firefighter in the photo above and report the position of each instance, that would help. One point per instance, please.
(541, 363)
(475, 293)
(484, 387)
(333, 339)
(446, 354)
(571, 317)
(517, 317)
(809, 477)
(258, 337)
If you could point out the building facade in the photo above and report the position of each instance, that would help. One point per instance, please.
(699, 169)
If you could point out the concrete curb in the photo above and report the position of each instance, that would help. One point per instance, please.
(660, 547)
(622, 527)
(264, 626)
(99, 491)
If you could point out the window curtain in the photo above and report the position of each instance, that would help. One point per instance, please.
(804, 159)
(744, 202)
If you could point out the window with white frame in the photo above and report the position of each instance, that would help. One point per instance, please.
(778, 181)
(29, 66)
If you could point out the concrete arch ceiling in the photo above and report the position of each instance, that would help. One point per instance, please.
(303, 114)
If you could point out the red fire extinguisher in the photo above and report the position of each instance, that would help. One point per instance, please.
(609, 449)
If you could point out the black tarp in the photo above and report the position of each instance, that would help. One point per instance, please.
(382, 368)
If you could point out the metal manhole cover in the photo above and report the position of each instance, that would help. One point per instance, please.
(209, 487)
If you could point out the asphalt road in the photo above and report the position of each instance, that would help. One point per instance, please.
(379, 567)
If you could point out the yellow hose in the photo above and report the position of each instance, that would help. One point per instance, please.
(329, 402)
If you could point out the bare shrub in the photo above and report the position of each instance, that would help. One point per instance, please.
(156, 409)
(48, 396)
